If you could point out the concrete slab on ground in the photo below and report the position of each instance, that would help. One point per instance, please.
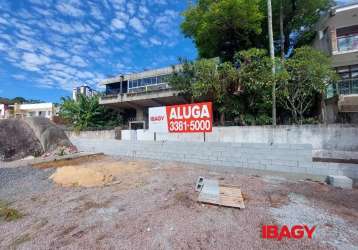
(340, 181)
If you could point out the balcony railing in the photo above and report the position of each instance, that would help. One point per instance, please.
(109, 96)
(342, 87)
(137, 91)
(149, 88)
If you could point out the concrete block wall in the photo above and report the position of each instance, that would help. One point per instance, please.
(100, 134)
(328, 137)
(335, 137)
(294, 158)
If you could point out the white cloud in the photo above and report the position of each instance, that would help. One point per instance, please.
(166, 23)
(99, 39)
(24, 45)
(68, 9)
(130, 8)
(57, 26)
(32, 61)
(19, 77)
(118, 4)
(118, 24)
(78, 61)
(137, 25)
(82, 27)
(61, 53)
(36, 59)
(143, 9)
(59, 41)
(120, 36)
(163, 2)
(3, 21)
(3, 46)
(155, 41)
(96, 12)
(44, 12)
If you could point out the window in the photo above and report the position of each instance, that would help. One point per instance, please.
(348, 72)
(153, 80)
(159, 79)
(343, 72)
(146, 81)
(130, 84)
(347, 38)
(163, 79)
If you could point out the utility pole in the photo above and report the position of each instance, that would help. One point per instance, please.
(282, 35)
(272, 55)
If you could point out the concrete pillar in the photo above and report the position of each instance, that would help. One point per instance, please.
(140, 114)
(334, 45)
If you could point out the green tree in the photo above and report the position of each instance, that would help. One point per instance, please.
(255, 86)
(308, 72)
(219, 28)
(208, 79)
(297, 16)
(87, 113)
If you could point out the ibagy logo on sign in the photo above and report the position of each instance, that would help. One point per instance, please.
(295, 232)
(158, 120)
(187, 118)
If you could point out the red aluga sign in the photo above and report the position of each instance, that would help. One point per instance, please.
(189, 118)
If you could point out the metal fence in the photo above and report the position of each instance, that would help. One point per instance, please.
(342, 87)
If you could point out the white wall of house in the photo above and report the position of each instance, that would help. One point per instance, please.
(2, 110)
(34, 110)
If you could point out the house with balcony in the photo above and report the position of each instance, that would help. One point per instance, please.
(337, 36)
(134, 93)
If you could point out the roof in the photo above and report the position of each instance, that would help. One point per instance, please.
(35, 106)
(140, 75)
(344, 7)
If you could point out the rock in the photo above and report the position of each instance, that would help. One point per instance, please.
(32, 136)
(340, 181)
(50, 136)
(18, 140)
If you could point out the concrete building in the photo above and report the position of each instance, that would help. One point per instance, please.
(134, 93)
(47, 110)
(337, 36)
(84, 90)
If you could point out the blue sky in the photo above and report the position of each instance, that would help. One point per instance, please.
(49, 46)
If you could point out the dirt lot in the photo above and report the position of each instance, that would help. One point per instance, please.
(155, 207)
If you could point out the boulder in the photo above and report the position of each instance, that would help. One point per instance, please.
(18, 140)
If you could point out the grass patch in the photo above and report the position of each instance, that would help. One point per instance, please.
(7, 213)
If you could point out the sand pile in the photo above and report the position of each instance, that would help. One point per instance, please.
(81, 176)
(95, 174)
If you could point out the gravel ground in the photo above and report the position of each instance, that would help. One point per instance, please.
(158, 210)
(19, 183)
